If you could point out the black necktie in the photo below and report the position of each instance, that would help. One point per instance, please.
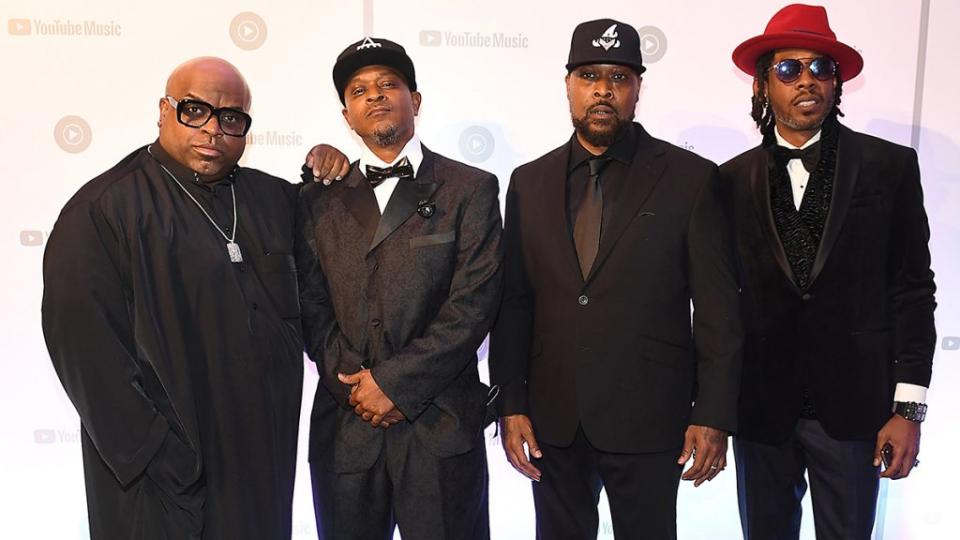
(809, 156)
(402, 170)
(586, 226)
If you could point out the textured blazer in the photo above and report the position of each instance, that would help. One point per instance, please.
(865, 320)
(409, 295)
(616, 353)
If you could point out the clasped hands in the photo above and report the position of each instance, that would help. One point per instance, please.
(368, 400)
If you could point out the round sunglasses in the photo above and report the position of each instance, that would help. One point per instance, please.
(789, 70)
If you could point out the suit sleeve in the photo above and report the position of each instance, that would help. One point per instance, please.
(912, 286)
(88, 328)
(717, 333)
(429, 363)
(325, 343)
(511, 338)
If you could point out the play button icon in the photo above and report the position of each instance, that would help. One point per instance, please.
(72, 134)
(650, 45)
(951, 343)
(653, 44)
(476, 144)
(31, 238)
(430, 38)
(248, 31)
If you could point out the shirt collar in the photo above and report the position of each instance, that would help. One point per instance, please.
(183, 173)
(413, 151)
(621, 150)
(786, 144)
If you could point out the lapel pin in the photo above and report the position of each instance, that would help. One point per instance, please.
(426, 209)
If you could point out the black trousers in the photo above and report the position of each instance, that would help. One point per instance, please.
(641, 490)
(770, 485)
(425, 496)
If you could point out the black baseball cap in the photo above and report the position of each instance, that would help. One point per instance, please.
(605, 41)
(371, 51)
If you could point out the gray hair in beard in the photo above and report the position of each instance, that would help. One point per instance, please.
(601, 137)
(387, 136)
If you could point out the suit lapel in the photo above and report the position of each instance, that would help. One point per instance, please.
(554, 190)
(760, 188)
(406, 197)
(360, 201)
(844, 181)
(645, 172)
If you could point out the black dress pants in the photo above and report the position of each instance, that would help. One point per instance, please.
(770, 485)
(425, 496)
(641, 490)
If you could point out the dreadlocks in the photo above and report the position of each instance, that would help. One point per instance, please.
(762, 113)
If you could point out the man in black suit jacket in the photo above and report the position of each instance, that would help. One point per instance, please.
(608, 239)
(837, 292)
(400, 281)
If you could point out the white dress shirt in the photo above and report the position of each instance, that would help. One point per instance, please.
(413, 151)
(799, 177)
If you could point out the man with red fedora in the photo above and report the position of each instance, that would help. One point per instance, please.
(837, 295)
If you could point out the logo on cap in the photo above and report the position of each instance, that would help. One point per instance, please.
(368, 43)
(608, 40)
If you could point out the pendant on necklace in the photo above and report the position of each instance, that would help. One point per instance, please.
(234, 251)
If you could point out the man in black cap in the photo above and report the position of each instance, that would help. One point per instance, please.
(608, 239)
(838, 295)
(399, 282)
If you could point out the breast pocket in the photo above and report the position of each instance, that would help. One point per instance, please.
(433, 239)
(278, 274)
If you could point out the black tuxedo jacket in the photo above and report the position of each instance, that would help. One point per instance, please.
(864, 322)
(614, 352)
(408, 295)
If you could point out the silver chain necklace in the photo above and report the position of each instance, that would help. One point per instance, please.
(233, 250)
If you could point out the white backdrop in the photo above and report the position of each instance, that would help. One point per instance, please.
(79, 90)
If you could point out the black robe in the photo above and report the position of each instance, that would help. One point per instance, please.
(186, 369)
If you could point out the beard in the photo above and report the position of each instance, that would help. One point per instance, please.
(803, 123)
(387, 135)
(600, 132)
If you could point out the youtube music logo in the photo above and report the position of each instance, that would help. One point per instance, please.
(430, 38)
(72, 134)
(248, 31)
(31, 238)
(19, 27)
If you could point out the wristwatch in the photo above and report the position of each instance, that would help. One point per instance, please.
(911, 410)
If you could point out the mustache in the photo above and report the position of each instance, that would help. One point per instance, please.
(810, 94)
(599, 104)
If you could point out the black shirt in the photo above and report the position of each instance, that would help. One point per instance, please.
(612, 178)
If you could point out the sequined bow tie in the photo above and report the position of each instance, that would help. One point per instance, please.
(809, 156)
(402, 170)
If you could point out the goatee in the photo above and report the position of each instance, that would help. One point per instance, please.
(387, 136)
(601, 133)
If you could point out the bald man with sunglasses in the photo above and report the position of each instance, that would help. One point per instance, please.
(837, 295)
(171, 314)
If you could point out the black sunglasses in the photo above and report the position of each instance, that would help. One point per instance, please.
(789, 70)
(195, 113)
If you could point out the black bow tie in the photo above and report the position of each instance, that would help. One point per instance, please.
(809, 156)
(402, 170)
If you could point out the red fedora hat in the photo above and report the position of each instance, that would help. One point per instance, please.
(799, 26)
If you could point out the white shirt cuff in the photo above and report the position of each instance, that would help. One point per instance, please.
(910, 392)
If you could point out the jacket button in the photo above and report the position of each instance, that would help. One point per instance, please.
(375, 323)
(806, 296)
(583, 300)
